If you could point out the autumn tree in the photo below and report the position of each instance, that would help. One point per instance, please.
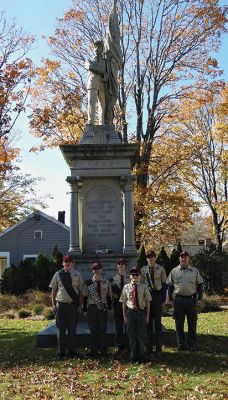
(17, 191)
(164, 207)
(201, 127)
(167, 50)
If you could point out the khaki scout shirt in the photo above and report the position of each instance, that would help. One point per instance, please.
(143, 295)
(185, 281)
(62, 295)
(159, 275)
(117, 281)
(105, 291)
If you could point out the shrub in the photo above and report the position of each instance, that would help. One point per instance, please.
(10, 302)
(7, 315)
(43, 272)
(142, 257)
(48, 313)
(211, 303)
(24, 313)
(164, 261)
(38, 309)
(33, 297)
(211, 265)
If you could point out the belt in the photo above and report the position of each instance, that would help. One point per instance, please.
(135, 309)
(61, 302)
(187, 297)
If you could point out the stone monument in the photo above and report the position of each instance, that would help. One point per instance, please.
(101, 184)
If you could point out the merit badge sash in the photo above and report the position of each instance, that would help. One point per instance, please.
(93, 293)
(65, 278)
(148, 278)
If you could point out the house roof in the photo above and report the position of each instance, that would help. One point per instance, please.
(40, 213)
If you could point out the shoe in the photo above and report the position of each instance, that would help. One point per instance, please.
(60, 356)
(192, 349)
(104, 352)
(181, 348)
(73, 354)
(93, 353)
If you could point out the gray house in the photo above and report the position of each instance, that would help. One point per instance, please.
(35, 234)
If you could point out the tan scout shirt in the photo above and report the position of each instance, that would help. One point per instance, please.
(117, 281)
(105, 291)
(62, 295)
(143, 295)
(185, 281)
(159, 275)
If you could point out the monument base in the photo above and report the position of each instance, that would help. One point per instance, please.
(47, 338)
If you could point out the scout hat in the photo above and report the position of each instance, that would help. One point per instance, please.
(135, 271)
(121, 261)
(67, 258)
(96, 265)
(150, 253)
(184, 254)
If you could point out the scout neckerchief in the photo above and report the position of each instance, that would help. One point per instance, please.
(148, 277)
(66, 280)
(94, 295)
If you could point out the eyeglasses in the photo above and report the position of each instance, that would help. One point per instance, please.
(135, 274)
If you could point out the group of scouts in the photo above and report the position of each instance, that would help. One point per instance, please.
(137, 302)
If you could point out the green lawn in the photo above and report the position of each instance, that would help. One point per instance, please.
(30, 373)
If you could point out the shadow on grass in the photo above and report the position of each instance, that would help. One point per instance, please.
(18, 349)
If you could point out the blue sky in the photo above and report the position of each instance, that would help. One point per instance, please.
(38, 17)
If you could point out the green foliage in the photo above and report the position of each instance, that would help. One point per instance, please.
(174, 258)
(56, 260)
(24, 313)
(142, 257)
(18, 280)
(29, 275)
(8, 280)
(164, 261)
(38, 309)
(43, 272)
(48, 313)
(212, 266)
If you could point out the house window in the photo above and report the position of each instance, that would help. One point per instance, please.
(31, 257)
(38, 235)
(4, 262)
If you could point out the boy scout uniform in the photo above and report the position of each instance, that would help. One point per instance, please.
(66, 310)
(117, 284)
(158, 294)
(184, 285)
(136, 318)
(97, 318)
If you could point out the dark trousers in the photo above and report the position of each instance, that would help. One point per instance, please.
(121, 338)
(154, 327)
(185, 306)
(66, 319)
(97, 321)
(136, 329)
